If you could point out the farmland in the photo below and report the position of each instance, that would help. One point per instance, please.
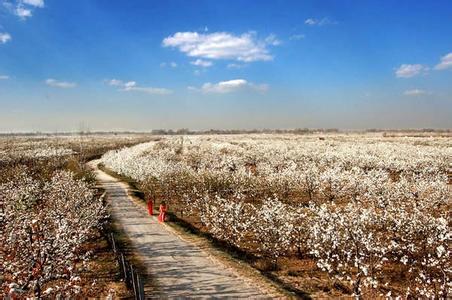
(365, 214)
(225, 149)
(324, 214)
(52, 217)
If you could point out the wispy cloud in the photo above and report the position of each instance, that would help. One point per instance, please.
(148, 90)
(23, 8)
(171, 64)
(115, 82)
(297, 37)
(319, 22)
(4, 77)
(272, 40)
(4, 37)
(415, 92)
(23, 12)
(445, 63)
(411, 70)
(60, 84)
(222, 45)
(236, 66)
(35, 3)
(202, 63)
(131, 86)
(229, 86)
(407, 70)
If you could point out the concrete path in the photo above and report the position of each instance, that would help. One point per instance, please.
(178, 268)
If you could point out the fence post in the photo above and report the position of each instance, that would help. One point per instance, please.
(131, 277)
(140, 280)
(137, 296)
(124, 269)
(139, 286)
(113, 242)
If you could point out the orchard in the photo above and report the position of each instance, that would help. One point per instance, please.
(359, 205)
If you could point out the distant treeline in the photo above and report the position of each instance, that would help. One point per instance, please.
(72, 133)
(410, 130)
(186, 131)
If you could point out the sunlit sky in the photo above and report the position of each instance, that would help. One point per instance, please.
(142, 65)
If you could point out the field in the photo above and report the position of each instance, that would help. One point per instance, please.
(360, 214)
(326, 215)
(226, 149)
(52, 218)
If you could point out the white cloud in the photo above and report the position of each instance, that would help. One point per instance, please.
(4, 77)
(415, 92)
(4, 37)
(222, 45)
(272, 40)
(60, 84)
(446, 62)
(22, 12)
(319, 22)
(173, 64)
(35, 3)
(407, 71)
(202, 63)
(149, 90)
(115, 82)
(236, 66)
(297, 37)
(310, 21)
(224, 87)
(23, 8)
(131, 86)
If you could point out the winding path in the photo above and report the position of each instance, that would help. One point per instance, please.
(178, 268)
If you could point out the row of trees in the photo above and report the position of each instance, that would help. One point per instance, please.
(354, 244)
(359, 208)
(44, 225)
(48, 209)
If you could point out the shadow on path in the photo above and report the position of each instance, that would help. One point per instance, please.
(179, 268)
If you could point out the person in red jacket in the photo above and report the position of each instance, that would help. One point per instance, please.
(150, 206)
(163, 208)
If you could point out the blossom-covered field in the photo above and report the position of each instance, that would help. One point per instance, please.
(49, 211)
(16, 147)
(371, 212)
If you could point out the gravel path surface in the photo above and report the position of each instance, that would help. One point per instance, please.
(178, 268)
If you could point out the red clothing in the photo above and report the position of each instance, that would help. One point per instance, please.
(150, 207)
(163, 208)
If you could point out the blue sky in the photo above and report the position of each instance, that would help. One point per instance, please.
(141, 65)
